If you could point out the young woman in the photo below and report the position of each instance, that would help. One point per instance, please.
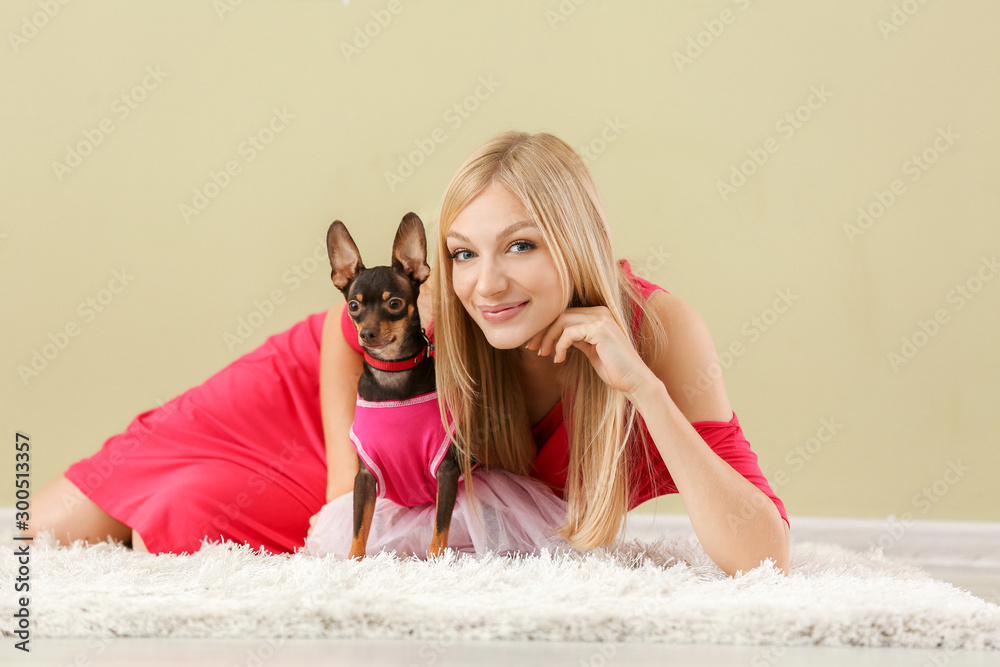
(536, 322)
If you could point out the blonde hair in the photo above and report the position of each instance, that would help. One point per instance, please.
(477, 382)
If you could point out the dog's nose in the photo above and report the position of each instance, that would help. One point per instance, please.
(369, 335)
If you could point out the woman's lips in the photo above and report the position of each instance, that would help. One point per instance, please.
(503, 315)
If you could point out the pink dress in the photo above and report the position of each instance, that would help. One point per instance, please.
(241, 457)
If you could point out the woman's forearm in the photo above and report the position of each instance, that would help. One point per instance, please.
(736, 523)
(340, 367)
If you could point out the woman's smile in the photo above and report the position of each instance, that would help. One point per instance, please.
(503, 312)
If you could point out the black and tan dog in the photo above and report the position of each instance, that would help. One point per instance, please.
(382, 303)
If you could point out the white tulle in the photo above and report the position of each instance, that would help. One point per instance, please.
(512, 515)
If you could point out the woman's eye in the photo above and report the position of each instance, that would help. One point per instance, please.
(395, 303)
(525, 246)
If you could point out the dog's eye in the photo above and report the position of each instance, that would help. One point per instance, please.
(353, 306)
(395, 304)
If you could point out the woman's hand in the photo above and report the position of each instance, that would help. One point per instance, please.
(312, 523)
(594, 331)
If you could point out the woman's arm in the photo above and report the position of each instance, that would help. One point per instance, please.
(736, 523)
(339, 370)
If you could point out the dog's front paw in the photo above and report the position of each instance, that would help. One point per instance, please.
(437, 548)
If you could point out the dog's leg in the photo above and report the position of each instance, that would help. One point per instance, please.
(364, 508)
(447, 490)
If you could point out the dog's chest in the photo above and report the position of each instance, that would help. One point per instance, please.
(379, 385)
(384, 384)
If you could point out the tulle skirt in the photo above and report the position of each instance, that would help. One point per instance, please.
(511, 515)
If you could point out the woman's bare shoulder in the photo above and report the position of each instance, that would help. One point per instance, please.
(687, 363)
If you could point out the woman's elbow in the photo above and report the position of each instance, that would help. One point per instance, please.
(772, 543)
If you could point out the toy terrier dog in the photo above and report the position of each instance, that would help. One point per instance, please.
(404, 453)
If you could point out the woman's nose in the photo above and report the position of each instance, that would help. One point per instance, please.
(491, 279)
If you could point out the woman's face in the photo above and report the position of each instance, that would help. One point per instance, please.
(502, 272)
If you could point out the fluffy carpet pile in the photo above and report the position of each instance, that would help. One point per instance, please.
(667, 591)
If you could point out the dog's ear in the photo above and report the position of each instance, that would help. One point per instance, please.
(409, 250)
(345, 260)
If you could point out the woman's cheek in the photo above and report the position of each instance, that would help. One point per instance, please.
(461, 284)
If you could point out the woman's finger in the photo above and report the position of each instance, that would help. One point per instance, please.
(567, 318)
(569, 336)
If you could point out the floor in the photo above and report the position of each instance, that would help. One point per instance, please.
(968, 558)
(258, 653)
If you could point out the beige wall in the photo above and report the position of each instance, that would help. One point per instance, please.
(170, 92)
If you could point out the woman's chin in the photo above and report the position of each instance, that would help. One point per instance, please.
(505, 338)
(506, 341)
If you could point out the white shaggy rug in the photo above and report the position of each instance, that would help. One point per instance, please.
(668, 591)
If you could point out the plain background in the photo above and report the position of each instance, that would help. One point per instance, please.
(809, 111)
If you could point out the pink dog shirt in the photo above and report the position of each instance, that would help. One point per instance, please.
(403, 443)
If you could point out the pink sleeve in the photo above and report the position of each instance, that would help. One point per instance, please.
(650, 478)
(727, 440)
(646, 287)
